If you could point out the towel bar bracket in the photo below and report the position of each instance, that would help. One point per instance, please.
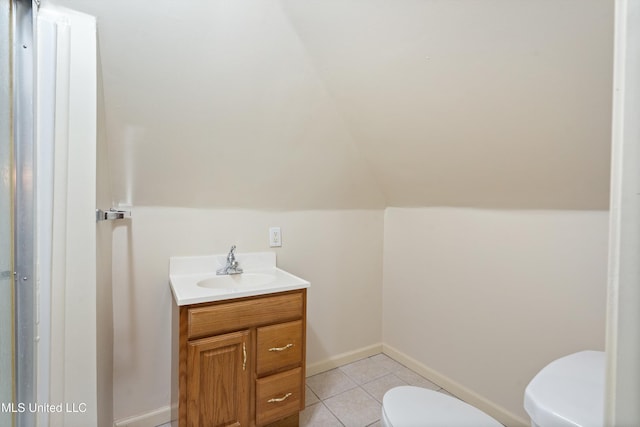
(111, 214)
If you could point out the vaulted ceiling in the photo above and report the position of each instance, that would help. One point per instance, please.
(313, 104)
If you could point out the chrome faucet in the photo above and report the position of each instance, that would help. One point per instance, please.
(232, 265)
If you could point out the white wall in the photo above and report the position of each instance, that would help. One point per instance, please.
(498, 294)
(339, 252)
(485, 298)
(490, 103)
(487, 103)
(210, 95)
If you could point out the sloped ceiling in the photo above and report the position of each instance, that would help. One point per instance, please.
(305, 104)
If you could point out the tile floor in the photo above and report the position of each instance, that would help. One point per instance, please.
(351, 395)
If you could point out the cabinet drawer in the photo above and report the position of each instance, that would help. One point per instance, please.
(230, 316)
(278, 396)
(279, 346)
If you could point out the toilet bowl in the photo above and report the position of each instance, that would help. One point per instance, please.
(568, 392)
(408, 406)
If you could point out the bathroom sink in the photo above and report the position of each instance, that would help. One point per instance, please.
(237, 281)
(193, 280)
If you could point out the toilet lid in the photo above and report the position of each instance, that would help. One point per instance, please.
(408, 406)
(568, 392)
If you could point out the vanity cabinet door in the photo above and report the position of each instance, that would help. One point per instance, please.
(218, 390)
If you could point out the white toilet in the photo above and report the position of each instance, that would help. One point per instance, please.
(569, 392)
(408, 406)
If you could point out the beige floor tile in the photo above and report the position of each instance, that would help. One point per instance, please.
(310, 397)
(387, 363)
(412, 378)
(355, 408)
(318, 416)
(330, 383)
(364, 370)
(377, 388)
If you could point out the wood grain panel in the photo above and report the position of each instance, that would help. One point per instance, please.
(245, 313)
(218, 389)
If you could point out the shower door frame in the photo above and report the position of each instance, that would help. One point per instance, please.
(24, 210)
(7, 334)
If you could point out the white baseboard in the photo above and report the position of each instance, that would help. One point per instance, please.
(150, 419)
(343, 359)
(496, 411)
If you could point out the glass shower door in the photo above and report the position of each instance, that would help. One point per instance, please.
(7, 378)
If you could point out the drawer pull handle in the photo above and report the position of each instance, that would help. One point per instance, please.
(279, 399)
(244, 357)
(281, 348)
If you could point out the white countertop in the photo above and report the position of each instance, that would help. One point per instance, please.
(194, 280)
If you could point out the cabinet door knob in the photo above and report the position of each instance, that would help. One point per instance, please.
(281, 348)
(279, 399)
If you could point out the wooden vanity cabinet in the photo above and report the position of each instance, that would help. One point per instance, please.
(242, 361)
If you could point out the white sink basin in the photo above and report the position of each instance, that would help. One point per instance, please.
(237, 281)
(194, 280)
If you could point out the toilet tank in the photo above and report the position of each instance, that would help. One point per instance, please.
(568, 392)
